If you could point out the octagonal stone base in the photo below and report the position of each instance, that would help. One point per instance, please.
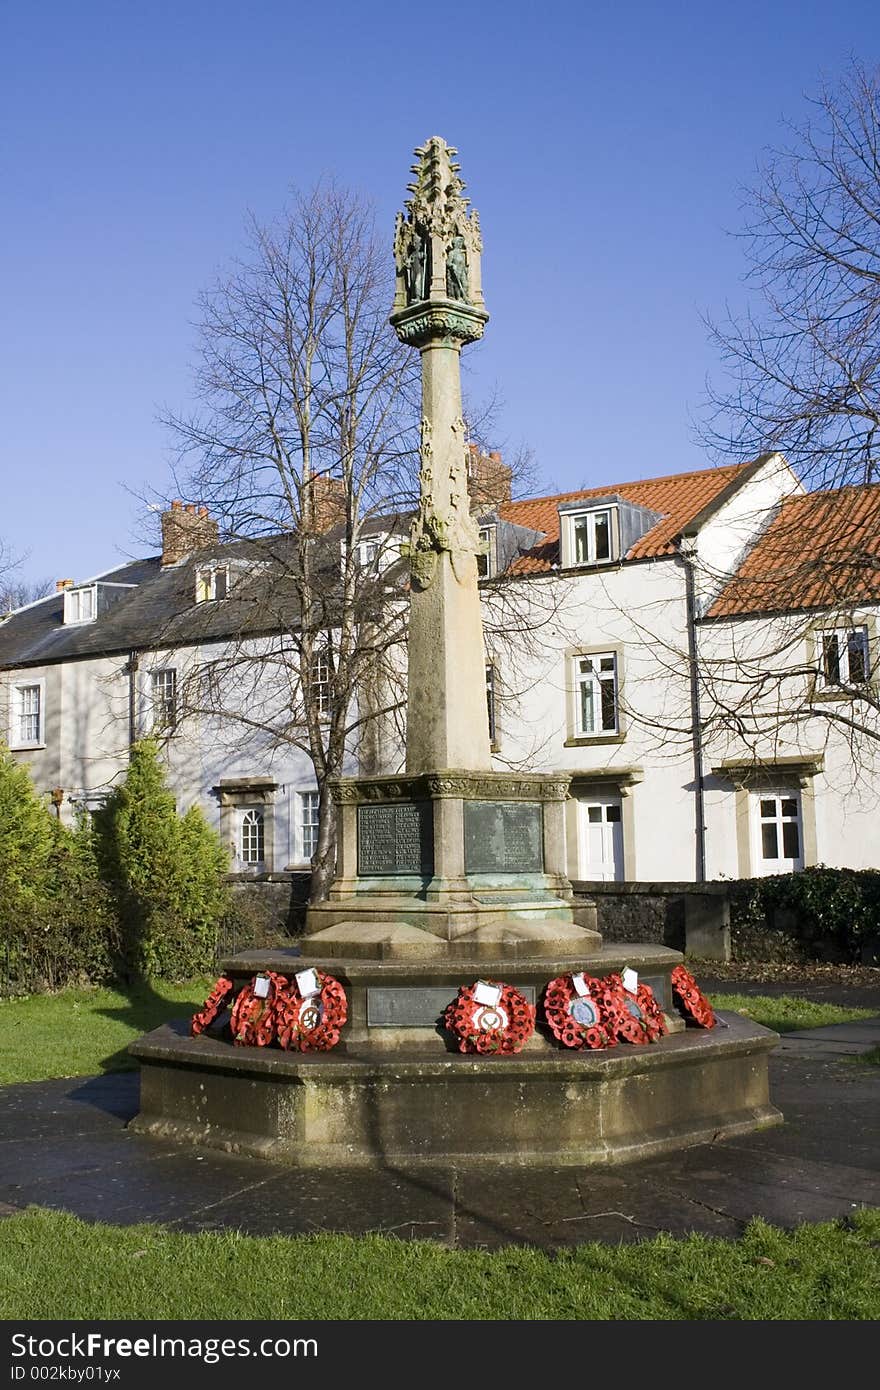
(353, 1108)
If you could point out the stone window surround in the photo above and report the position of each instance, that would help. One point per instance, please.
(619, 781)
(574, 739)
(16, 743)
(237, 794)
(796, 773)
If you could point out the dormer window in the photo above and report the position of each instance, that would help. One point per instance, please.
(368, 553)
(212, 583)
(486, 558)
(80, 605)
(591, 537)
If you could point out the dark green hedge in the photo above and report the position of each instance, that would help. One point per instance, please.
(818, 914)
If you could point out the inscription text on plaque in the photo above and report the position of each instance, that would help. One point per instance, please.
(395, 838)
(503, 837)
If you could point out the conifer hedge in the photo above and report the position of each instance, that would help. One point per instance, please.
(136, 892)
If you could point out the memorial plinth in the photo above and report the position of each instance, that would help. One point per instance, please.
(473, 860)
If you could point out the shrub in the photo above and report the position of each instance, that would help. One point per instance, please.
(166, 873)
(57, 923)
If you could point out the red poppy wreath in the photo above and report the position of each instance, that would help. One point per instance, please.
(489, 1017)
(634, 1016)
(574, 1012)
(213, 1006)
(253, 1013)
(309, 1019)
(691, 1000)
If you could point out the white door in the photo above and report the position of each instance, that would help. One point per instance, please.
(601, 839)
(778, 832)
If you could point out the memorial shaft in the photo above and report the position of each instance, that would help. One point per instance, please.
(438, 308)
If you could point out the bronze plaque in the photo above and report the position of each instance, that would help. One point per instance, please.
(503, 837)
(416, 1007)
(395, 839)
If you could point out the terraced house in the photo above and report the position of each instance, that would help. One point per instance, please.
(698, 653)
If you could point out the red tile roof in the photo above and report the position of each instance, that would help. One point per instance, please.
(821, 550)
(679, 498)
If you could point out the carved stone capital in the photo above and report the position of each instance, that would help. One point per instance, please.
(452, 784)
(449, 322)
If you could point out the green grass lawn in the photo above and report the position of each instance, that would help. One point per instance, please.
(56, 1266)
(786, 1013)
(80, 1032)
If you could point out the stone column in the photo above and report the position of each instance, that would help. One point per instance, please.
(447, 720)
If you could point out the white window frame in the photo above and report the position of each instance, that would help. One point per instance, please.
(251, 816)
(492, 701)
(73, 602)
(782, 863)
(206, 583)
(841, 636)
(486, 559)
(369, 551)
(588, 518)
(307, 823)
(16, 713)
(597, 678)
(159, 723)
(320, 685)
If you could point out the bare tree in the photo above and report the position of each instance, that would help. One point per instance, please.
(805, 363)
(15, 592)
(803, 378)
(304, 437)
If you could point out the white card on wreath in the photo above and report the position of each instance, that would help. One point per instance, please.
(487, 994)
(580, 985)
(261, 986)
(307, 983)
(630, 980)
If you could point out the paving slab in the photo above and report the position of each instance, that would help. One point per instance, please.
(64, 1144)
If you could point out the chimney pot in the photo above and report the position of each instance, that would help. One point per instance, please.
(62, 584)
(177, 504)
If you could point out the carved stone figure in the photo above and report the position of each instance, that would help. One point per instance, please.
(416, 265)
(457, 269)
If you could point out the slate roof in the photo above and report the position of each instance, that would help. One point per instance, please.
(679, 498)
(161, 610)
(822, 550)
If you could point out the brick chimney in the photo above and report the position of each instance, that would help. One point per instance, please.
(184, 530)
(62, 584)
(488, 479)
(328, 501)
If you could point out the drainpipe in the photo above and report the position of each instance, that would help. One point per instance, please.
(132, 668)
(688, 550)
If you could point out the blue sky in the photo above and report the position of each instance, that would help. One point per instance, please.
(605, 146)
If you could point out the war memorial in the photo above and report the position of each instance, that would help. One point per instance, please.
(423, 977)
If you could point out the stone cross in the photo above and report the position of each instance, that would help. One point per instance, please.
(438, 307)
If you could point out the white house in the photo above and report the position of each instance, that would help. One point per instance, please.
(659, 641)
